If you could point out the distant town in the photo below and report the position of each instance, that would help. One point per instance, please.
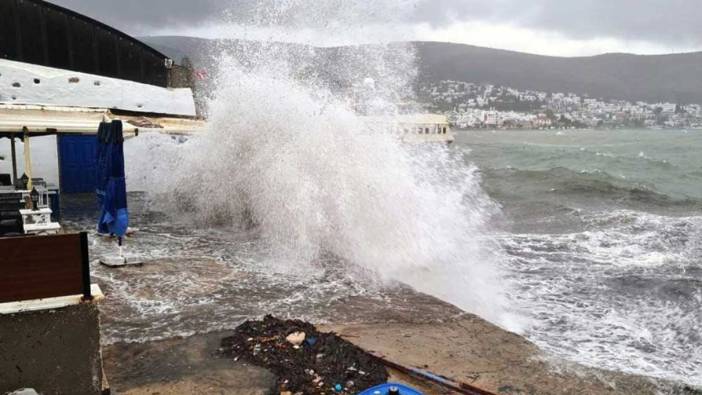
(473, 106)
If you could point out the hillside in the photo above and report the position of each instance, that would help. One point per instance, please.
(673, 78)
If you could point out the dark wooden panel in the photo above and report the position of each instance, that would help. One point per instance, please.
(41, 267)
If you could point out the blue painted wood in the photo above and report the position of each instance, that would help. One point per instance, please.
(77, 163)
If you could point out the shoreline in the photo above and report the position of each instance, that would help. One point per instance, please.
(465, 348)
(603, 129)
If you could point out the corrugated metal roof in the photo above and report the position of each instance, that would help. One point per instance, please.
(97, 23)
(39, 32)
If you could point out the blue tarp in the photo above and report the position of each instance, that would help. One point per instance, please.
(111, 185)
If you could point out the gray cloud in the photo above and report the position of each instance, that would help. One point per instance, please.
(143, 16)
(665, 22)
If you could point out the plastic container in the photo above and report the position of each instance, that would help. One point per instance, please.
(385, 389)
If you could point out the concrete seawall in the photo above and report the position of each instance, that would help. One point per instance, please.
(53, 351)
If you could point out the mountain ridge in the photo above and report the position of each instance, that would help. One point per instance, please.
(649, 78)
(554, 56)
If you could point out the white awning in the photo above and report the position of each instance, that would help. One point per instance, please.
(35, 119)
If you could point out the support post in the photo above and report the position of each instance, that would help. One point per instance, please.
(27, 158)
(85, 264)
(14, 160)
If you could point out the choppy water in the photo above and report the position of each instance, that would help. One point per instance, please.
(197, 280)
(587, 242)
(603, 234)
(290, 203)
(600, 234)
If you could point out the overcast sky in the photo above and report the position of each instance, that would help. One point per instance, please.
(552, 27)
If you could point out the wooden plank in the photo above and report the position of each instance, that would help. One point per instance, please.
(38, 267)
(423, 375)
(58, 302)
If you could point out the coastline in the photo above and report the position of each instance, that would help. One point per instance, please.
(554, 128)
(464, 348)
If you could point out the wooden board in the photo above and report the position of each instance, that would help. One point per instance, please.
(37, 267)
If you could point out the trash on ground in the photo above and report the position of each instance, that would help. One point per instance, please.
(304, 359)
(296, 338)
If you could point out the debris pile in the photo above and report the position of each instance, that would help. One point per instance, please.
(305, 360)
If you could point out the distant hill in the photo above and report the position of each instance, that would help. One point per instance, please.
(675, 78)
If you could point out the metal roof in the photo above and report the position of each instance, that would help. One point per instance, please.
(95, 22)
(42, 33)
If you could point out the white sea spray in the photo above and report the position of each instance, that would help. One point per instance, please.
(287, 153)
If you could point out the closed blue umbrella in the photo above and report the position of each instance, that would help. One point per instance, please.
(111, 185)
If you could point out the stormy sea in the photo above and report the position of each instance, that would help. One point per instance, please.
(292, 201)
(597, 234)
(603, 235)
